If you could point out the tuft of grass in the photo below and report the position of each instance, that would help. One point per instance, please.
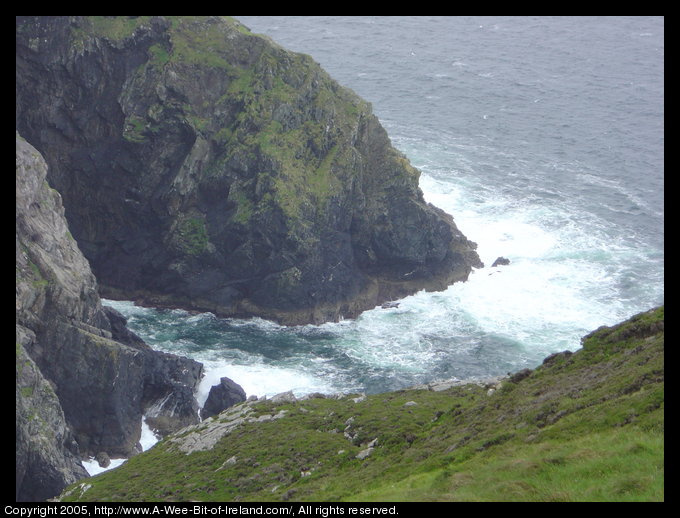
(191, 235)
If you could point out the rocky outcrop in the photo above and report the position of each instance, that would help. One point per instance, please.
(80, 391)
(501, 261)
(205, 167)
(168, 392)
(222, 396)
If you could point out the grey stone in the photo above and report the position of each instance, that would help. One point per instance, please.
(364, 453)
(284, 397)
(222, 396)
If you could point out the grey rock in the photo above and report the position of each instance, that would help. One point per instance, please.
(364, 453)
(46, 452)
(103, 459)
(443, 385)
(204, 436)
(120, 331)
(228, 393)
(284, 397)
(314, 395)
(102, 386)
(500, 261)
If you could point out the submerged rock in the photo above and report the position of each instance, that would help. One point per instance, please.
(205, 167)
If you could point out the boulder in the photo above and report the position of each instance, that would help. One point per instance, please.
(500, 261)
(222, 396)
(103, 459)
(284, 397)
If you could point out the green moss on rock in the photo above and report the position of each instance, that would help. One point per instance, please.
(192, 235)
(116, 27)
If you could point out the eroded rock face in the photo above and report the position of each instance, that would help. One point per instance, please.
(80, 391)
(46, 452)
(205, 167)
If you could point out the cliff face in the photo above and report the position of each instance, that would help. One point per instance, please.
(83, 380)
(46, 452)
(205, 167)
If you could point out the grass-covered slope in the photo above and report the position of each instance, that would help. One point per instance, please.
(587, 426)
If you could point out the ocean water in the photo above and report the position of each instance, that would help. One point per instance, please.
(542, 136)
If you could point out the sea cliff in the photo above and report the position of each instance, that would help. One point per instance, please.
(83, 380)
(205, 167)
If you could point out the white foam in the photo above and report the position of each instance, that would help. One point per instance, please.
(93, 467)
(260, 380)
(147, 440)
(545, 289)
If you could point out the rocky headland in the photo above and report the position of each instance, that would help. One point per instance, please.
(185, 162)
(205, 167)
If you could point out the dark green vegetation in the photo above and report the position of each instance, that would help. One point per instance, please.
(205, 167)
(587, 426)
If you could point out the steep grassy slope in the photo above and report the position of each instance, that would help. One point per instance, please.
(587, 426)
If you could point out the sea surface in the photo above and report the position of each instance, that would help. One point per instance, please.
(542, 136)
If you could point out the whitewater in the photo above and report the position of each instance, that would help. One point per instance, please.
(542, 136)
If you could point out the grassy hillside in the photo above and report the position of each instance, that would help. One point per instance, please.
(587, 426)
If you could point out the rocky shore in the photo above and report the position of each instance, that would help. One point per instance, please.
(186, 162)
